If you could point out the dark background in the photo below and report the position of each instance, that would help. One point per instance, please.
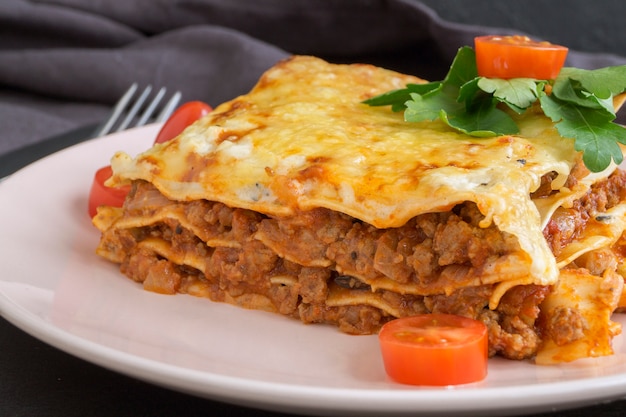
(586, 25)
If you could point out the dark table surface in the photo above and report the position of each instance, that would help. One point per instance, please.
(38, 380)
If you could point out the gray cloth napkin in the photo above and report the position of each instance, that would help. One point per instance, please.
(64, 63)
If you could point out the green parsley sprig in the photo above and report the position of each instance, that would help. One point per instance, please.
(580, 104)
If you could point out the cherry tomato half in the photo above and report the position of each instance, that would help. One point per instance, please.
(101, 195)
(518, 57)
(434, 349)
(185, 115)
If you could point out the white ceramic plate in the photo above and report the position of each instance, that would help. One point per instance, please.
(54, 287)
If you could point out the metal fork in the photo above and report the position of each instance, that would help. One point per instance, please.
(127, 110)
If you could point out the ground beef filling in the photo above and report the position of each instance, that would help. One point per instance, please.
(567, 223)
(296, 265)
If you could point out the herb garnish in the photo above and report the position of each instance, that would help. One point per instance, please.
(580, 102)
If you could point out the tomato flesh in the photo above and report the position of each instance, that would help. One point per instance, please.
(518, 57)
(434, 350)
(101, 195)
(185, 115)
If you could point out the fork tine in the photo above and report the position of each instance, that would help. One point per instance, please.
(169, 107)
(151, 107)
(121, 108)
(134, 109)
(117, 111)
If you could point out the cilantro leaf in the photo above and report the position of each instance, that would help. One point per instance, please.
(592, 129)
(485, 121)
(429, 107)
(445, 100)
(517, 93)
(572, 91)
(463, 68)
(598, 143)
(469, 91)
(397, 98)
(602, 83)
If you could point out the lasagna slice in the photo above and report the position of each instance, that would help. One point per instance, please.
(299, 199)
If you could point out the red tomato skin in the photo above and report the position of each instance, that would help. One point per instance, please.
(100, 194)
(185, 115)
(508, 57)
(435, 364)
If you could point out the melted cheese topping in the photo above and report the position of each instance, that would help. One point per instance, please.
(302, 138)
